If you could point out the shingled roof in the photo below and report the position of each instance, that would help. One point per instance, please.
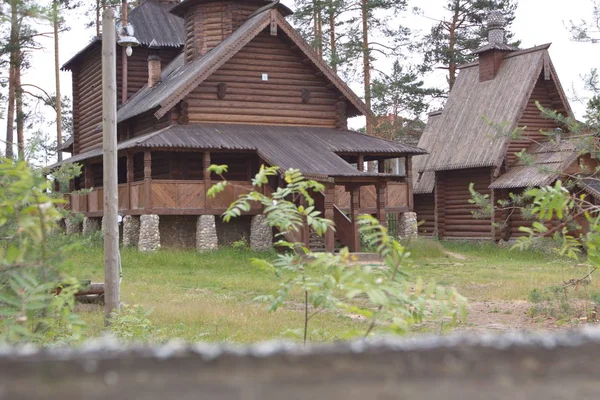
(179, 78)
(424, 181)
(548, 162)
(462, 136)
(151, 21)
(284, 146)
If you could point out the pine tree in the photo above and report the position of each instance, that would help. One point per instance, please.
(400, 98)
(452, 41)
(58, 7)
(20, 42)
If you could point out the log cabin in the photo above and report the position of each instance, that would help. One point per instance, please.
(226, 82)
(471, 141)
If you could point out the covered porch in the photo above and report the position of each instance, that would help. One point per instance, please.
(159, 176)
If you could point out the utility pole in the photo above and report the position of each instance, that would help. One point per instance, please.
(109, 142)
(124, 87)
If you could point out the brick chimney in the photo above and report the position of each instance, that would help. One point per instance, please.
(208, 22)
(492, 54)
(154, 70)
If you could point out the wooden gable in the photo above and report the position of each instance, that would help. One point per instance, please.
(548, 93)
(269, 81)
(87, 91)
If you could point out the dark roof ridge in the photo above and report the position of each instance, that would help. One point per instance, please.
(511, 54)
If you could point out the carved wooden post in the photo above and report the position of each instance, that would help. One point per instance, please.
(305, 230)
(207, 181)
(360, 164)
(129, 178)
(380, 188)
(381, 166)
(409, 182)
(147, 180)
(88, 178)
(354, 212)
(328, 206)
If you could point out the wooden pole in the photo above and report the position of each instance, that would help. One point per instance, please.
(409, 181)
(109, 134)
(329, 214)
(130, 175)
(147, 180)
(124, 83)
(380, 189)
(355, 211)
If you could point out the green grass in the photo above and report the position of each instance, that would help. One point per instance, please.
(489, 272)
(203, 296)
(210, 297)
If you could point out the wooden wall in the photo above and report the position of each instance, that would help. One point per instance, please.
(87, 91)
(208, 24)
(546, 93)
(424, 205)
(279, 100)
(455, 219)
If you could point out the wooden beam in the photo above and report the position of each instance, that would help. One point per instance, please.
(381, 202)
(354, 213)
(207, 180)
(329, 214)
(360, 163)
(409, 181)
(147, 180)
(130, 175)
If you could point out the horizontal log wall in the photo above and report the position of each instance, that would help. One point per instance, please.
(455, 218)
(87, 91)
(546, 93)
(206, 25)
(246, 98)
(425, 209)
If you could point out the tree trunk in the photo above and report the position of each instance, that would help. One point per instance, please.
(98, 7)
(366, 60)
(19, 108)
(332, 43)
(452, 46)
(10, 114)
(57, 81)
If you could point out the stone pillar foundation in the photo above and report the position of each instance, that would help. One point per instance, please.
(90, 225)
(131, 230)
(261, 234)
(149, 234)
(407, 225)
(206, 234)
(72, 228)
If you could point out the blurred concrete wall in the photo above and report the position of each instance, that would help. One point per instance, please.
(509, 367)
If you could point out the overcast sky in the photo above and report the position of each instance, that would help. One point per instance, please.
(537, 22)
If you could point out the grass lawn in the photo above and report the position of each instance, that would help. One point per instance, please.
(210, 297)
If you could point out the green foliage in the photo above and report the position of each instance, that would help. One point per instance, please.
(402, 93)
(485, 207)
(453, 40)
(36, 302)
(335, 282)
(133, 324)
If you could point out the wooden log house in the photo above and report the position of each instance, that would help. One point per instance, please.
(227, 82)
(471, 141)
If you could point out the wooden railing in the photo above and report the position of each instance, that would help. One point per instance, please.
(344, 228)
(164, 196)
(396, 196)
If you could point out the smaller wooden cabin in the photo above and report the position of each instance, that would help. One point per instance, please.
(227, 82)
(471, 141)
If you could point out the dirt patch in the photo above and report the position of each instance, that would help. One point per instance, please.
(504, 316)
(458, 256)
